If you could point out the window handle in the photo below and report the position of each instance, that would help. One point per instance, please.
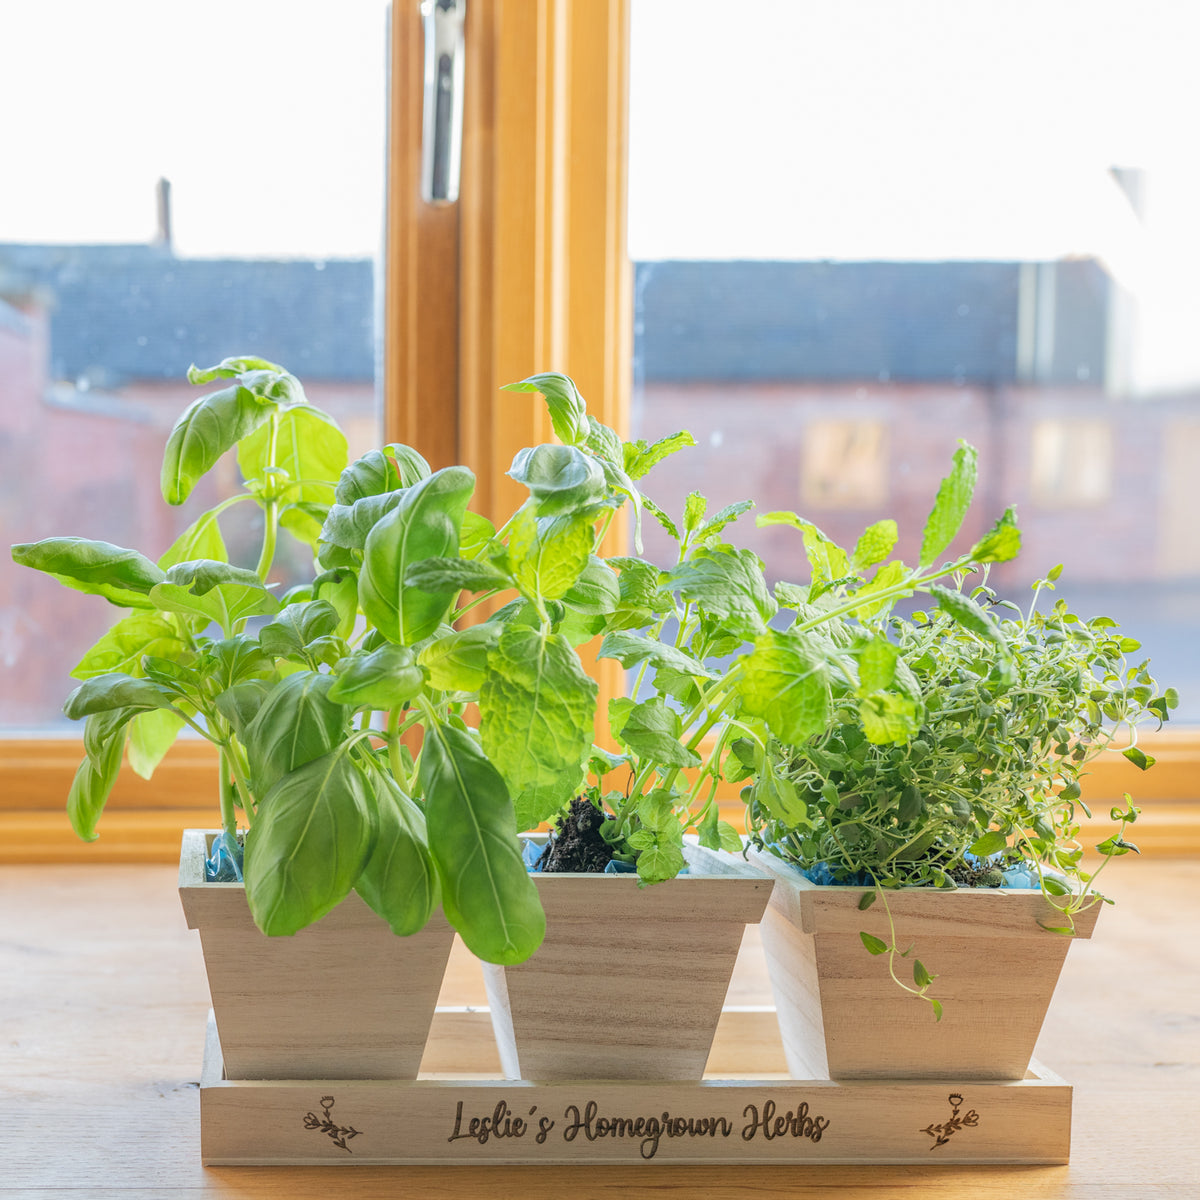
(441, 132)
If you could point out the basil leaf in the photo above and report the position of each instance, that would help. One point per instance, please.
(121, 576)
(309, 843)
(379, 471)
(115, 690)
(210, 426)
(487, 893)
(231, 368)
(201, 539)
(950, 506)
(311, 448)
(215, 591)
(348, 526)
(297, 723)
(94, 780)
(562, 479)
(399, 881)
(537, 712)
(568, 411)
(424, 525)
(458, 661)
(151, 735)
(127, 642)
(297, 626)
(384, 678)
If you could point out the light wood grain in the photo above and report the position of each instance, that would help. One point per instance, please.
(341, 999)
(630, 981)
(841, 1011)
(103, 1002)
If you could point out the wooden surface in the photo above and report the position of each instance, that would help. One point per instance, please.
(644, 1002)
(753, 1123)
(342, 998)
(103, 1004)
(842, 1014)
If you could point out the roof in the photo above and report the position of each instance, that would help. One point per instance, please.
(136, 312)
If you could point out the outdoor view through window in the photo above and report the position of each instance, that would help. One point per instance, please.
(860, 232)
(269, 126)
(865, 230)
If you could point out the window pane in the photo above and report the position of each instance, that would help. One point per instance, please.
(269, 125)
(859, 238)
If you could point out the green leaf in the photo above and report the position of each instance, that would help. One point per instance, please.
(726, 516)
(620, 483)
(888, 576)
(296, 724)
(215, 591)
(231, 368)
(1139, 758)
(537, 711)
(921, 977)
(458, 661)
(642, 600)
(380, 471)
(562, 479)
(384, 678)
(950, 506)
(630, 649)
(568, 411)
(339, 588)
(777, 797)
(786, 684)
(653, 732)
(349, 525)
(589, 601)
(873, 944)
(208, 428)
(1002, 543)
(475, 535)
(297, 626)
(311, 448)
(399, 882)
(990, 843)
(968, 614)
(94, 780)
(729, 584)
(201, 539)
(605, 443)
(866, 900)
(731, 840)
(875, 544)
(456, 574)
(127, 642)
(660, 863)
(240, 704)
(548, 555)
(121, 576)
(888, 718)
(487, 894)
(151, 735)
(309, 842)
(876, 665)
(115, 690)
(828, 560)
(641, 458)
(424, 525)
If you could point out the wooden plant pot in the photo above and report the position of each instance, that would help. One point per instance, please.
(842, 1015)
(629, 982)
(342, 999)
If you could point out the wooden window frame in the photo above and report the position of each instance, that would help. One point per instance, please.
(528, 272)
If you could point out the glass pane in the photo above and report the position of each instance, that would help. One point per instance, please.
(269, 125)
(864, 231)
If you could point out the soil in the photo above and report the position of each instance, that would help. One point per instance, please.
(576, 844)
(966, 876)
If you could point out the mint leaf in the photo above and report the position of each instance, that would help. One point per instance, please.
(875, 544)
(652, 730)
(950, 506)
(786, 684)
(1002, 543)
(729, 584)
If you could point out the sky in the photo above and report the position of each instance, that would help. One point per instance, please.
(899, 129)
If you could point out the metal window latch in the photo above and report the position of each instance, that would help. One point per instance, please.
(441, 134)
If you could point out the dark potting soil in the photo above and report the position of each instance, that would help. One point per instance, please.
(576, 844)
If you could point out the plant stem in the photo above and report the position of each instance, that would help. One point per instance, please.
(228, 807)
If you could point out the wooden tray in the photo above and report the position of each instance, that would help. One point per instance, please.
(455, 1120)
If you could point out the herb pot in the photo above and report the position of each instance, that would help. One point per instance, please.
(842, 1016)
(630, 980)
(344, 998)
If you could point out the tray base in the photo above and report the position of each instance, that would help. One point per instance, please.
(470, 1121)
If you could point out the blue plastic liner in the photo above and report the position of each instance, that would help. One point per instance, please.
(224, 862)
